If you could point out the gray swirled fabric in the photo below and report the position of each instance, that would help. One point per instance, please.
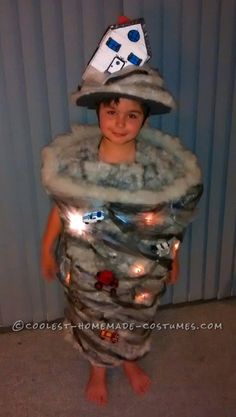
(122, 226)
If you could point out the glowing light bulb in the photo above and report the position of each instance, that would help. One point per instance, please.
(137, 269)
(142, 297)
(76, 224)
(176, 246)
(152, 218)
(67, 279)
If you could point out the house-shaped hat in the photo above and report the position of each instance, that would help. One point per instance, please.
(118, 69)
(122, 45)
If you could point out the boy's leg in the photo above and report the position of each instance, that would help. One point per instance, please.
(138, 379)
(96, 390)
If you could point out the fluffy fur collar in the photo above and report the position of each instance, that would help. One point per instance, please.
(164, 170)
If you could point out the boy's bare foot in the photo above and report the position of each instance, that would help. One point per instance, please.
(138, 379)
(96, 390)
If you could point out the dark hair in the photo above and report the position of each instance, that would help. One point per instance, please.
(116, 99)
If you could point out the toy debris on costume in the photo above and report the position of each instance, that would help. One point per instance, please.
(106, 278)
(123, 44)
(162, 248)
(93, 217)
(113, 337)
(165, 247)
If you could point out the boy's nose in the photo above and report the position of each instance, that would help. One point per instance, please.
(120, 120)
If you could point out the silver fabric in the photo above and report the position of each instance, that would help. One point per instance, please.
(136, 243)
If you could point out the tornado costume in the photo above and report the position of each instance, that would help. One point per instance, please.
(122, 222)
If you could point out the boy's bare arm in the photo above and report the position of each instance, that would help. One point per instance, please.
(174, 273)
(52, 231)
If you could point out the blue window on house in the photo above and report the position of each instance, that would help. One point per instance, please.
(112, 44)
(134, 59)
(134, 35)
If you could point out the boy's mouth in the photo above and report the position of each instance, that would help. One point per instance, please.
(119, 134)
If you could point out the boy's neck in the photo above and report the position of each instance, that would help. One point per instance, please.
(117, 154)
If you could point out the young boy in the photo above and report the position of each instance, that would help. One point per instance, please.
(123, 198)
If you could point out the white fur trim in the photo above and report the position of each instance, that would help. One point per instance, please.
(67, 187)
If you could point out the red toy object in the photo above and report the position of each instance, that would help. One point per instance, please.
(123, 19)
(113, 337)
(106, 278)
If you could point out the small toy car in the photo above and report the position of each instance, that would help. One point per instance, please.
(113, 337)
(162, 248)
(106, 278)
(93, 217)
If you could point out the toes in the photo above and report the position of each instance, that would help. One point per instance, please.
(143, 386)
(143, 389)
(97, 399)
(102, 399)
(139, 380)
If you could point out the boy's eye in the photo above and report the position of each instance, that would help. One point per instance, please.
(111, 112)
(133, 116)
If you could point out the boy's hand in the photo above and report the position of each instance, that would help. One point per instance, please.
(49, 266)
(174, 273)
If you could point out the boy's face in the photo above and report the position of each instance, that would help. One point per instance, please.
(121, 122)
